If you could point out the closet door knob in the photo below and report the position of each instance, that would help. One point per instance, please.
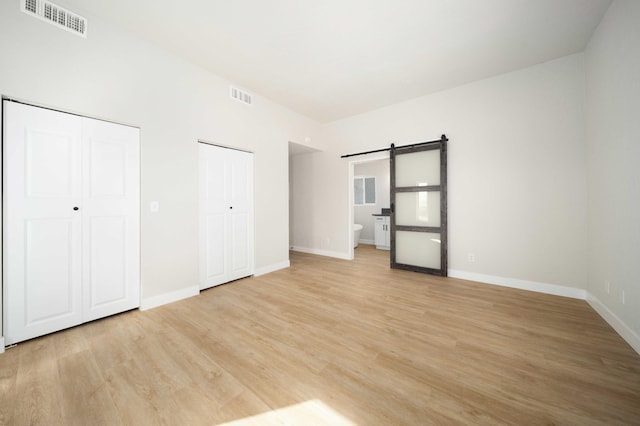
(76, 208)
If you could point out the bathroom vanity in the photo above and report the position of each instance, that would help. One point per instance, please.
(382, 229)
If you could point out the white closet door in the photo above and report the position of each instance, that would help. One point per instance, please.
(111, 218)
(240, 168)
(226, 215)
(42, 231)
(71, 223)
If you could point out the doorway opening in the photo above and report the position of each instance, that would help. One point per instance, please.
(366, 204)
(296, 150)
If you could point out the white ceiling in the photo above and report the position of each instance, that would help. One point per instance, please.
(329, 59)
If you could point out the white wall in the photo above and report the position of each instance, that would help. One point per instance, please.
(114, 76)
(517, 159)
(613, 140)
(317, 205)
(363, 214)
(517, 172)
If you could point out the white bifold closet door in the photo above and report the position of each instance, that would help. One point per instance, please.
(226, 215)
(71, 220)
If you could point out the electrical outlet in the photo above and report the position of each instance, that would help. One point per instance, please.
(154, 206)
(607, 286)
(471, 257)
(622, 298)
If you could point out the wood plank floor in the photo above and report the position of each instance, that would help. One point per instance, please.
(332, 342)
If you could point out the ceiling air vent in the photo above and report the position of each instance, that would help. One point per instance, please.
(56, 15)
(240, 95)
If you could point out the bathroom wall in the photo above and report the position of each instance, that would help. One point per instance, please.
(363, 214)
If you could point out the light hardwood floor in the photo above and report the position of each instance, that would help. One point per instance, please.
(332, 342)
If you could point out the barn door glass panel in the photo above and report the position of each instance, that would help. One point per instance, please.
(421, 249)
(420, 208)
(420, 168)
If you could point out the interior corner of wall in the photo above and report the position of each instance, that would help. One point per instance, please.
(271, 268)
(170, 297)
(629, 335)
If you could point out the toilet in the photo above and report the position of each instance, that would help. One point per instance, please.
(357, 228)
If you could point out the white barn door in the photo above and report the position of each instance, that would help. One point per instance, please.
(71, 220)
(226, 215)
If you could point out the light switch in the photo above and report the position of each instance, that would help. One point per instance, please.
(154, 206)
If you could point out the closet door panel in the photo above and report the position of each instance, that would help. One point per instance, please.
(50, 266)
(214, 206)
(49, 170)
(42, 231)
(108, 169)
(111, 218)
(240, 259)
(241, 216)
(215, 247)
(107, 255)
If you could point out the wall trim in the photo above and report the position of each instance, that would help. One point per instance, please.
(363, 241)
(165, 298)
(271, 268)
(1, 345)
(557, 290)
(327, 253)
(631, 337)
(614, 321)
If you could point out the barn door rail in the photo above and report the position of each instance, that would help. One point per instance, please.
(443, 138)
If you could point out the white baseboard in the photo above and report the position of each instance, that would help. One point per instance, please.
(558, 290)
(363, 241)
(618, 325)
(271, 268)
(174, 296)
(327, 253)
(1, 345)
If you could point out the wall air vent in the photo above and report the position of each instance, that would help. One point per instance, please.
(240, 95)
(56, 15)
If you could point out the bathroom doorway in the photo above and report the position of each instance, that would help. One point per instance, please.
(369, 195)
